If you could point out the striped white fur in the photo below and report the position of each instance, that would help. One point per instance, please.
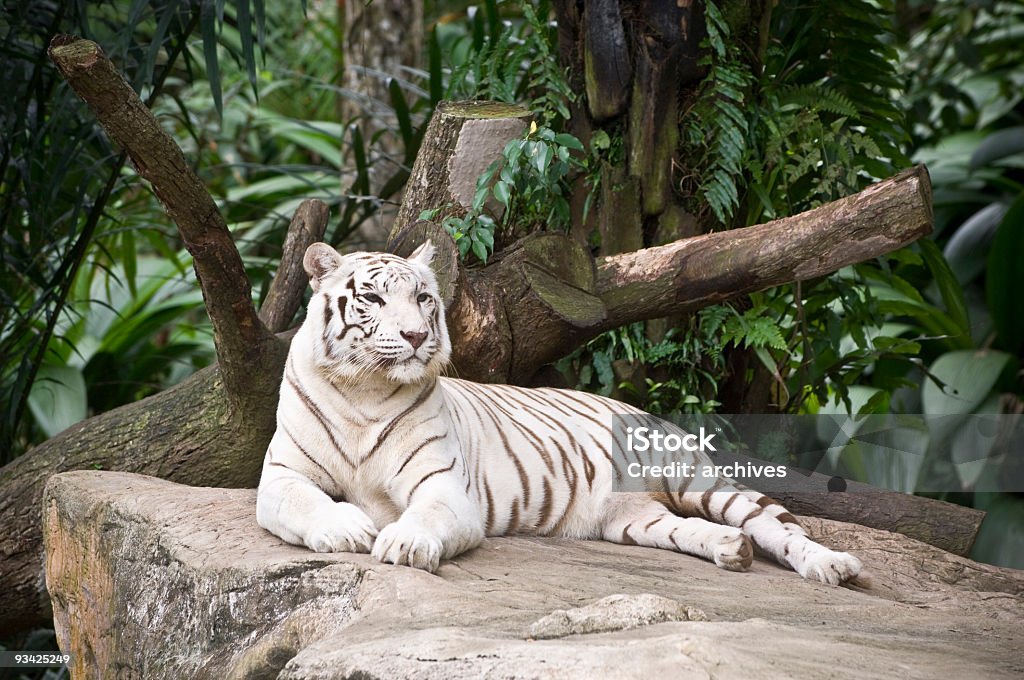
(375, 452)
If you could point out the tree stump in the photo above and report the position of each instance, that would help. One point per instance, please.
(463, 138)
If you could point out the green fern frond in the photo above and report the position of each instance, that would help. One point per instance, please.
(819, 97)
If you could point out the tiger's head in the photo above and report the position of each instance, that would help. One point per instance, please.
(376, 314)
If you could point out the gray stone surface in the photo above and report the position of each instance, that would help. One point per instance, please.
(150, 579)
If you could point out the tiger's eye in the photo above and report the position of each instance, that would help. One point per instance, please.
(374, 298)
(422, 297)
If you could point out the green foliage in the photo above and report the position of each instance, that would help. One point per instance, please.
(1005, 277)
(808, 119)
(815, 124)
(81, 296)
(689, 374)
(720, 124)
(98, 305)
(60, 180)
(122, 349)
(524, 191)
(964, 72)
(513, 61)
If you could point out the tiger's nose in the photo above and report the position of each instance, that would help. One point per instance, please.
(415, 338)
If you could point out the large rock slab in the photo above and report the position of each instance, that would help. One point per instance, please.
(151, 579)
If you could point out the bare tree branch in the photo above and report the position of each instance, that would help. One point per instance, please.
(285, 295)
(238, 332)
(546, 294)
(702, 270)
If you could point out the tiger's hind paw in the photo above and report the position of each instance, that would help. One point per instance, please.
(829, 566)
(733, 551)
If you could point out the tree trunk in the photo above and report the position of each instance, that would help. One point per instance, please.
(382, 41)
(186, 433)
(461, 141)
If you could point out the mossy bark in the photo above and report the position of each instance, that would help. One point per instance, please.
(187, 433)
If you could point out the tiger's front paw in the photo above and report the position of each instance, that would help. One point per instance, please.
(829, 566)
(405, 543)
(343, 528)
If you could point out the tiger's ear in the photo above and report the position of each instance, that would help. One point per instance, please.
(319, 261)
(424, 253)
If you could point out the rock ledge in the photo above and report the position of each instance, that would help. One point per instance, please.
(151, 579)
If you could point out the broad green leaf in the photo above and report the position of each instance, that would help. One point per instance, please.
(480, 196)
(170, 11)
(208, 30)
(322, 144)
(569, 141)
(259, 11)
(401, 108)
(949, 287)
(128, 259)
(1001, 537)
(968, 249)
(1004, 279)
(486, 237)
(58, 398)
(890, 458)
(436, 80)
(971, 443)
(502, 193)
(934, 320)
(479, 30)
(542, 157)
(245, 37)
(480, 250)
(493, 19)
(998, 145)
(311, 182)
(968, 376)
(362, 181)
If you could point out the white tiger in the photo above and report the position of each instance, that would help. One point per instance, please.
(375, 452)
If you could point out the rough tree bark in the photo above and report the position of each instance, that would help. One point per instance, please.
(286, 290)
(547, 293)
(461, 140)
(213, 428)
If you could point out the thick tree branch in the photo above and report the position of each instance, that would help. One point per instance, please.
(285, 295)
(700, 271)
(240, 336)
(551, 296)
